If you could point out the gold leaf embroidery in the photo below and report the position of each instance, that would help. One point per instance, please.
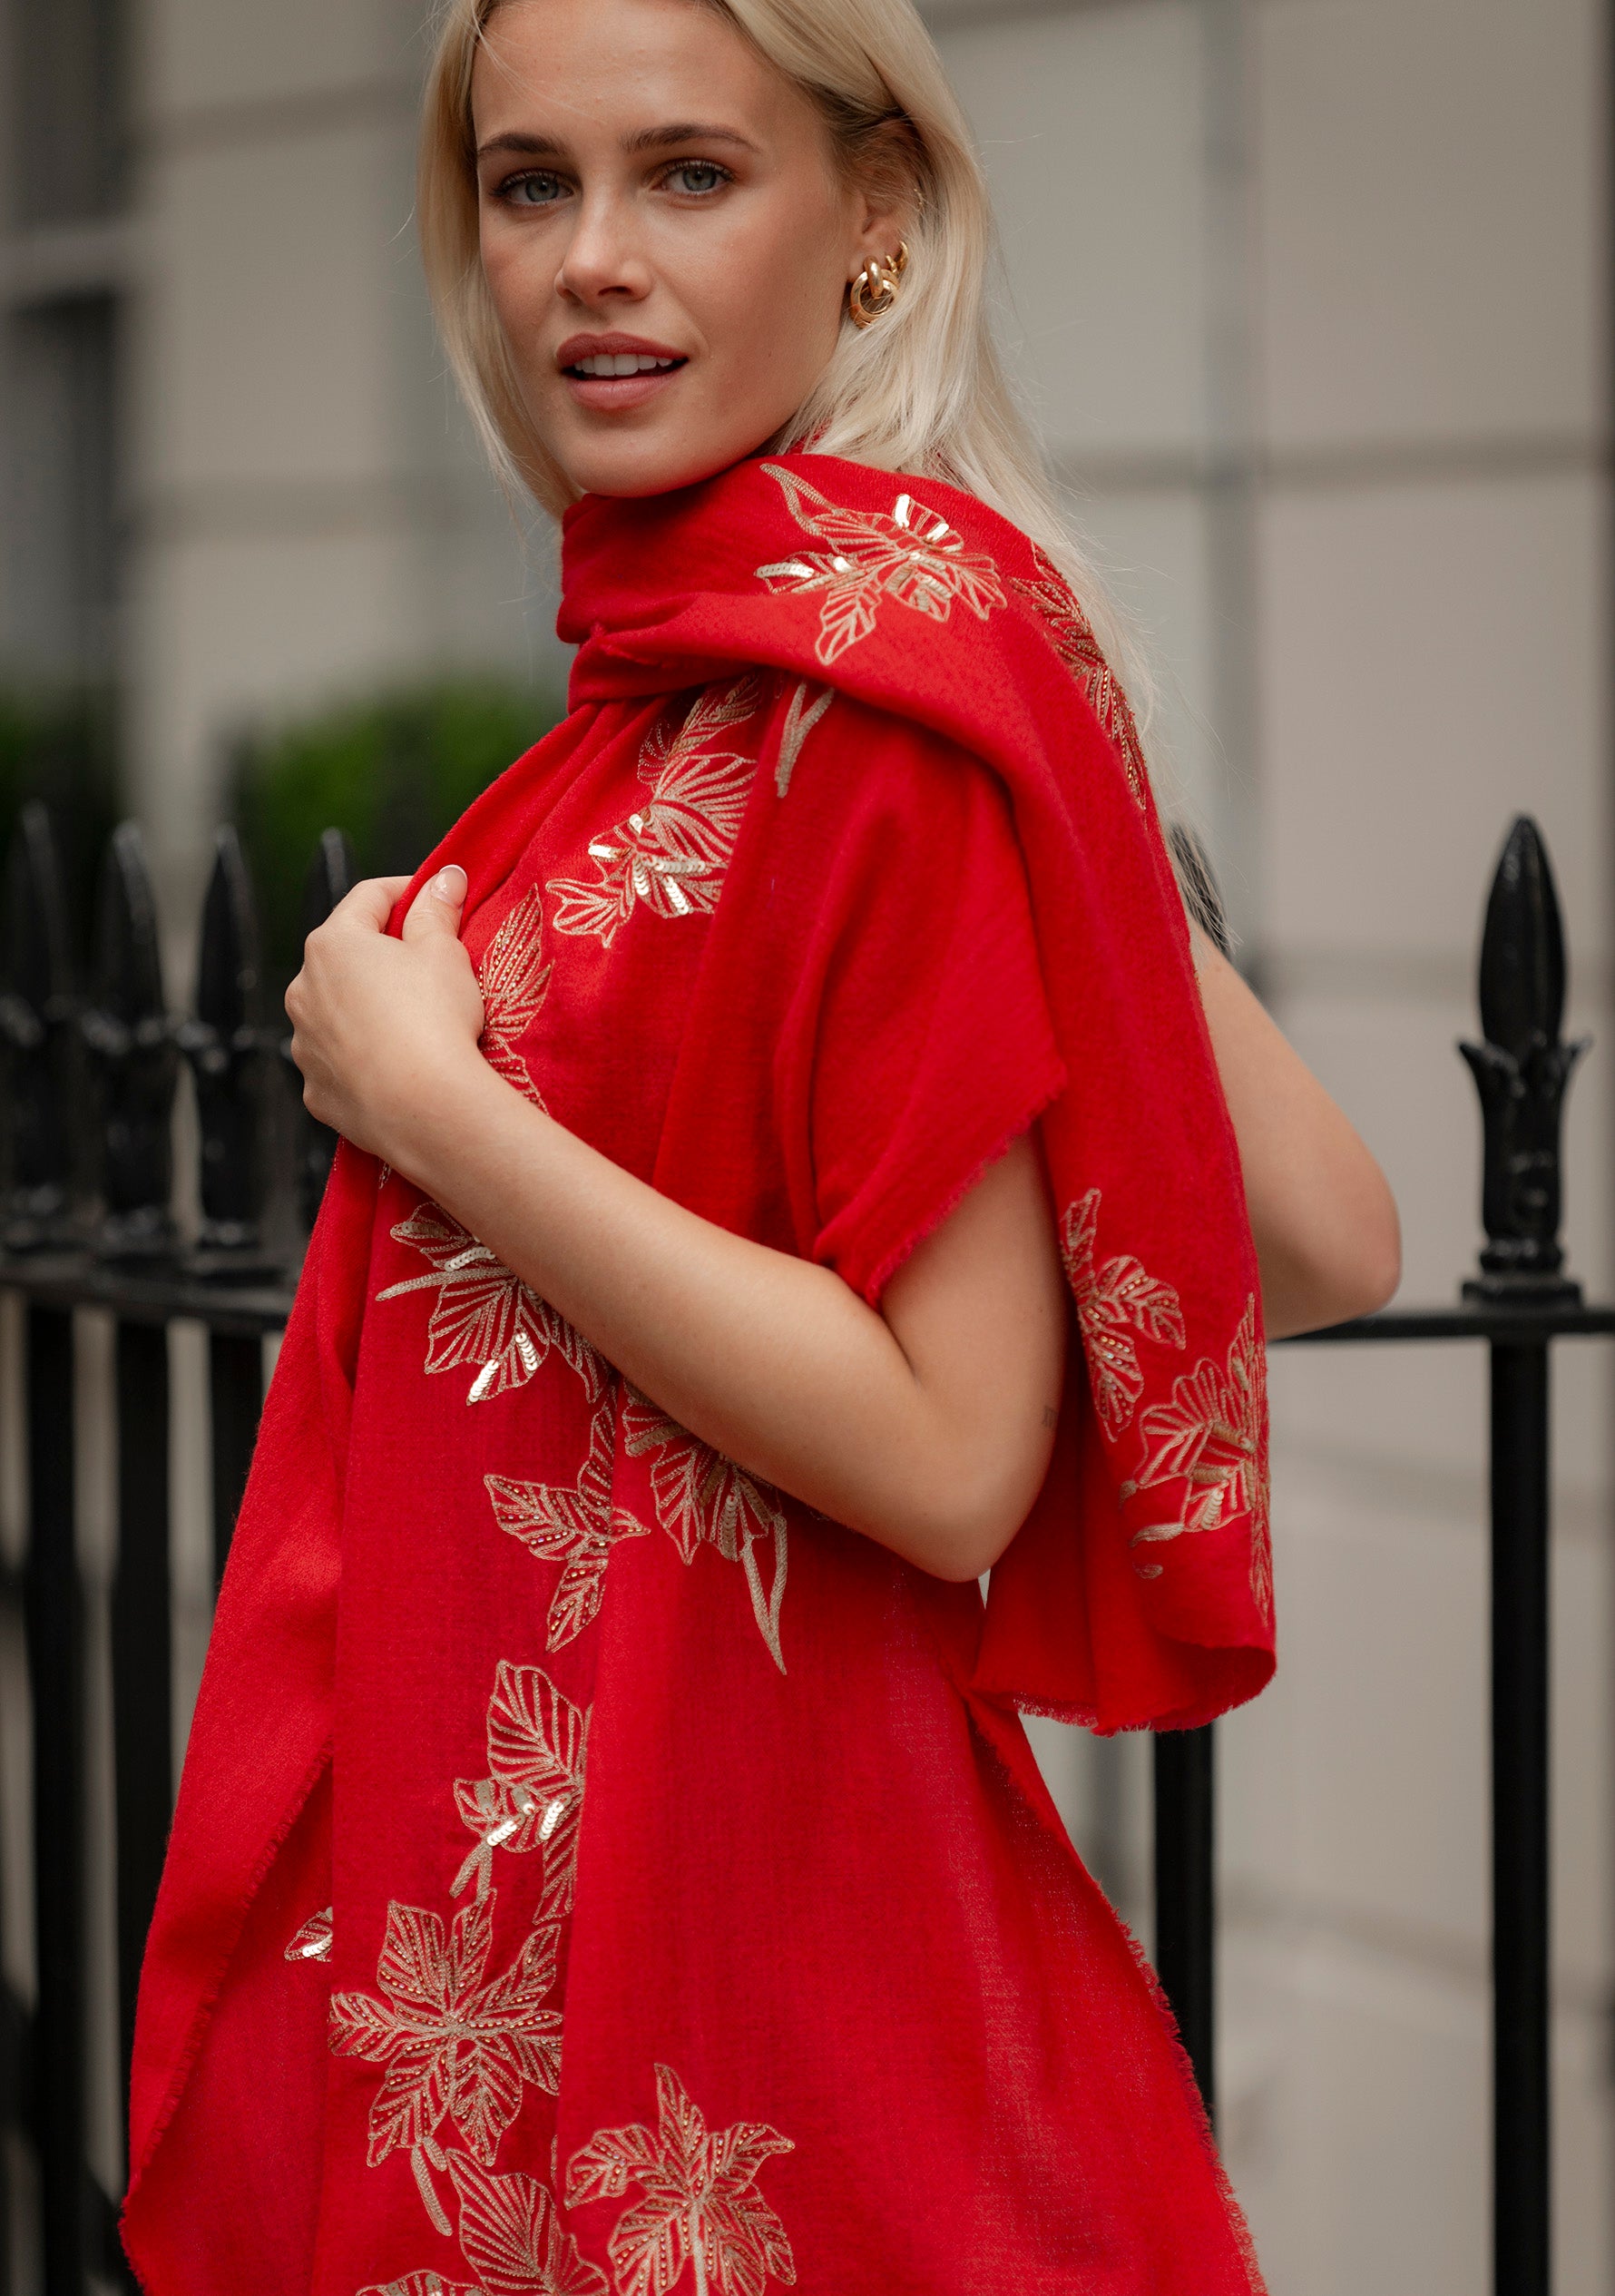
(1053, 600)
(313, 1940)
(512, 2236)
(454, 2046)
(533, 1796)
(422, 2284)
(573, 1523)
(514, 980)
(1212, 1436)
(699, 2202)
(912, 556)
(801, 717)
(672, 855)
(484, 1315)
(702, 1497)
(1113, 1300)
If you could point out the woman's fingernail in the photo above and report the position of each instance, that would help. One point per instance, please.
(449, 884)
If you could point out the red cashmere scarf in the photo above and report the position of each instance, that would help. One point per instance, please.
(892, 888)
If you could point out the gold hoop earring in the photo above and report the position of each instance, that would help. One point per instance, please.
(874, 290)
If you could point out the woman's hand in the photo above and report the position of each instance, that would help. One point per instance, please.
(382, 1028)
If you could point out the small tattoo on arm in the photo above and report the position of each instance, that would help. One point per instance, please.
(1051, 1416)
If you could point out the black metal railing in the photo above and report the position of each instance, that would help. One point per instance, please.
(90, 1082)
(1518, 1303)
(87, 1222)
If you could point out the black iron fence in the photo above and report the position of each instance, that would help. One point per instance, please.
(90, 1084)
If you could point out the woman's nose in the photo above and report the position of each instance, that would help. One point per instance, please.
(601, 260)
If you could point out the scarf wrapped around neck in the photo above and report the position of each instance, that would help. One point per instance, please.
(1139, 1591)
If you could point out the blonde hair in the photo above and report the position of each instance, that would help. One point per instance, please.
(922, 392)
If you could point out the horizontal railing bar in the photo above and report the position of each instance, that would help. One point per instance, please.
(1567, 1320)
(252, 1311)
(247, 1311)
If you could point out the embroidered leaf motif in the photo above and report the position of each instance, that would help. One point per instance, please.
(423, 2284)
(702, 1497)
(533, 1796)
(313, 1940)
(484, 1315)
(513, 979)
(454, 2046)
(512, 2236)
(672, 855)
(573, 1523)
(698, 2205)
(1213, 1437)
(801, 717)
(1053, 600)
(912, 556)
(1113, 1300)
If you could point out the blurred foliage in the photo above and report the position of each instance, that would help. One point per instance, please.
(395, 771)
(60, 744)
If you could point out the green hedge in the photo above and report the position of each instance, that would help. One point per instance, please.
(395, 771)
(60, 745)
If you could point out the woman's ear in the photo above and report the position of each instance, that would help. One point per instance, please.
(887, 174)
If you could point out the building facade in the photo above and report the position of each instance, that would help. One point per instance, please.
(1310, 297)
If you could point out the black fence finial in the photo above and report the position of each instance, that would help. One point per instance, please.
(223, 1044)
(331, 876)
(1522, 1071)
(130, 1043)
(35, 1018)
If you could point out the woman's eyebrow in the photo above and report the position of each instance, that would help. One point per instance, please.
(530, 146)
(686, 131)
(549, 147)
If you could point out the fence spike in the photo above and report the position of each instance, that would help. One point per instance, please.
(130, 1043)
(331, 875)
(1522, 1072)
(223, 1044)
(35, 1042)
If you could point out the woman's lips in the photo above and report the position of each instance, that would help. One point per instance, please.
(617, 393)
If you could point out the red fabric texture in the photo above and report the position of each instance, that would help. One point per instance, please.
(593, 1870)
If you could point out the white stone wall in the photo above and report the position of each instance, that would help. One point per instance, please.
(1309, 294)
(311, 518)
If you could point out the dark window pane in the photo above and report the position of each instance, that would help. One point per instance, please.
(60, 570)
(67, 77)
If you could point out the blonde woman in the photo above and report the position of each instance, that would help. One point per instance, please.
(787, 1178)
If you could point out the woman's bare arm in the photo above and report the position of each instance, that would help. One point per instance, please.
(927, 1426)
(1328, 1238)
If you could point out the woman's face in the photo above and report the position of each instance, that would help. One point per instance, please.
(664, 235)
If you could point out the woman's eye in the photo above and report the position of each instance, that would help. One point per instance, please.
(698, 177)
(531, 191)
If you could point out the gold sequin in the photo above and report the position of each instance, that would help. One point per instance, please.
(513, 979)
(484, 1315)
(1212, 1438)
(313, 1940)
(1114, 1299)
(699, 2201)
(801, 717)
(672, 854)
(423, 2284)
(533, 1798)
(512, 2236)
(1052, 599)
(573, 1523)
(457, 2046)
(702, 1498)
(911, 554)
